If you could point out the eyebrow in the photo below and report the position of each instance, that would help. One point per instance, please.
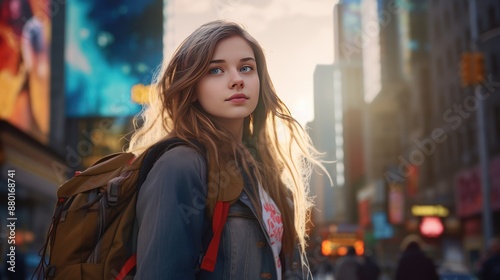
(241, 60)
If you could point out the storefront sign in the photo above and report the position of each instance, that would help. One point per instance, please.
(429, 210)
(364, 198)
(381, 228)
(396, 204)
(468, 186)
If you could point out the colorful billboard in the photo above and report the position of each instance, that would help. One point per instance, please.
(350, 31)
(110, 47)
(468, 196)
(25, 36)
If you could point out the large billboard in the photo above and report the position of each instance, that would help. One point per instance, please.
(350, 30)
(25, 36)
(110, 46)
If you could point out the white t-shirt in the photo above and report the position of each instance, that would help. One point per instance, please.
(274, 225)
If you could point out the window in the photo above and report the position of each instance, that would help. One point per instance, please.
(449, 57)
(491, 17)
(447, 21)
(480, 23)
(437, 30)
(458, 44)
(440, 69)
(494, 64)
(496, 120)
(456, 9)
(459, 144)
(467, 38)
(472, 136)
(441, 100)
(442, 149)
(453, 146)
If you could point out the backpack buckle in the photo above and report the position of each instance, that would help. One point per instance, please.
(113, 188)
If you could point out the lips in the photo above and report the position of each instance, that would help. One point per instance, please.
(237, 96)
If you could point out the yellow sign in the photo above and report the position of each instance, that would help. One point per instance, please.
(140, 93)
(429, 210)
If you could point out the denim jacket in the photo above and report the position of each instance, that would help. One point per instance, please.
(174, 230)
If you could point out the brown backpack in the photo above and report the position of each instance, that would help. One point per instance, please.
(93, 230)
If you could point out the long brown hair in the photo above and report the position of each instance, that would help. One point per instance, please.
(274, 143)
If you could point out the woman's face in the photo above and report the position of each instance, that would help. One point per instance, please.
(229, 91)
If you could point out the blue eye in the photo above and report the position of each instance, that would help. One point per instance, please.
(215, 71)
(246, 69)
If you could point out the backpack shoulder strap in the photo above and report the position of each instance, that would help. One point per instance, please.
(150, 157)
(221, 207)
(156, 151)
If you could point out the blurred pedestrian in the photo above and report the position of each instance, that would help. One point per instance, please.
(415, 265)
(490, 269)
(324, 270)
(369, 267)
(348, 267)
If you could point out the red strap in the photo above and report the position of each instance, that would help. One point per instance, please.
(127, 267)
(219, 220)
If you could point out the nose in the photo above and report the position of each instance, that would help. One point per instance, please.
(236, 81)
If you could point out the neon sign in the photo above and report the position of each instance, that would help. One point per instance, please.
(431, 227)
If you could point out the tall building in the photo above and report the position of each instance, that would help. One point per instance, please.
(324, 136)
(337, 131)
(338, 99)
(348, 61)
(384, 122)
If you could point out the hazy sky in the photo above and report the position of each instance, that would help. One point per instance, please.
(295, 34)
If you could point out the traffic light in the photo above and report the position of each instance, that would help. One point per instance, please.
(466, 73)
(472, 70)
(478, 67)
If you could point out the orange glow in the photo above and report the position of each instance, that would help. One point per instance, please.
(359, 246)
(341, 251)
(326, 247)
(23, 236)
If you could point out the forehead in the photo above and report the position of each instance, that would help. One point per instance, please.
(233, 47)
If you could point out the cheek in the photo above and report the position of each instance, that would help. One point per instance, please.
(202, 89)
(255, 84)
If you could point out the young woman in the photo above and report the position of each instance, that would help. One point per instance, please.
(237, 207)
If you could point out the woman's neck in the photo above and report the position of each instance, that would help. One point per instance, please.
(234, 127)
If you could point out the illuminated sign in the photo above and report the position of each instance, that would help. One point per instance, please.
(381, 228)
(431, 227)
(25, 43)
(110, 48)
(336, 244)
(332, 247)
(429, 210)
(396, 204)
(326, 247)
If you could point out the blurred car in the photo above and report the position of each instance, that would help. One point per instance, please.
(456, 276)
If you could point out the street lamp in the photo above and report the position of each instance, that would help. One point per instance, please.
(481, 128)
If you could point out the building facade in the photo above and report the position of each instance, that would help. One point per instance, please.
(455, 166)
